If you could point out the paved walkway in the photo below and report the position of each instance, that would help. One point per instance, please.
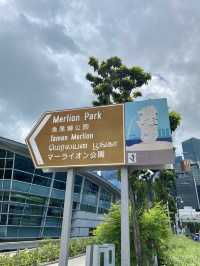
(80, 261)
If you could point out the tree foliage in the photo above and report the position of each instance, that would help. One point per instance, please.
(175, 120)
(155, 232)
(113, 82)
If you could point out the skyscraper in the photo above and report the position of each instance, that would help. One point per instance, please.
(191, 149)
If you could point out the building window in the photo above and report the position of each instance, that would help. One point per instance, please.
(2, 163)
(59, 185)
(37, 200)
(61, 176)
(33, 210)
(23, 163)
(56, 203)
(57, 212)
(2, 153)
(22, 176)
(9, 163)
(17, 197)
(42, 181)
(1, 174)
(89, 200)
(8, 174)
(104, 201)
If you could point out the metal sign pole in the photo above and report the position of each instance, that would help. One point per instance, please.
(66, 224)
(125, 236)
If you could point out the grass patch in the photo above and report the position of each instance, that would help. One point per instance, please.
(182, 252)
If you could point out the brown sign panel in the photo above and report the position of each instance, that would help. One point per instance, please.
(79, 137)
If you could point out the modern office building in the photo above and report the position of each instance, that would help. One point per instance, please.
(31, 201)
(191, 149)
(186, 190)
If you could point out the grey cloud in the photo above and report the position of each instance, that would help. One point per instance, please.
(43, 9)
(161, 36)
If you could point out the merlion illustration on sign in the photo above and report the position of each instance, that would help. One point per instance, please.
(148, 124)
(148, 135)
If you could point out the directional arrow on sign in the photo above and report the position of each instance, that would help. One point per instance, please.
(31, 140)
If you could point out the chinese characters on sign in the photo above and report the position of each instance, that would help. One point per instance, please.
(79, 137)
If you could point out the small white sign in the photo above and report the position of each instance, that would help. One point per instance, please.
(131, 157)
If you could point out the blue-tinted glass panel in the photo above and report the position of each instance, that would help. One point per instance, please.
(29, 232)
(6, 184)
(4, 208)
(23, 163)
(61, 176)
(9, 154)
(55, 212)
(3, 219)
(2, 153)
(14, 219)
(77, 189)
(104, 201)
(40, 172)
(78, 180)
(56, 203)
(32, 199)
(20, 186)
(42, 181)
(15, 208)
(40, 190)
(22, 176)
(59, 185)
(7, 174)
(2, 163)
(33, 210)
(89, 200)
(31, 220)
(52, 232)
(5, 196)
(59, 194)
(1, 174)
(12, 231)
(53, 221)
(3, 231)
(18, 197)
(9, 163)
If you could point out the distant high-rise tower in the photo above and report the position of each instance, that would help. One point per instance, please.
(191, 149)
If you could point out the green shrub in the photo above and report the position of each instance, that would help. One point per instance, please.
(46, 252)
(154, 225)
(155, 232)
(109, 232)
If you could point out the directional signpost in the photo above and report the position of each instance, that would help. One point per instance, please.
(79, 137)
(132, 134)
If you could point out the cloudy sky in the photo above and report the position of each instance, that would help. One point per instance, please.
(45, 45)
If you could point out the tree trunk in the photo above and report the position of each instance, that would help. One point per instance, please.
(136, 231)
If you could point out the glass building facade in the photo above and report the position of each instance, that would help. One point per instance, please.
(31, 202)
(191, 149)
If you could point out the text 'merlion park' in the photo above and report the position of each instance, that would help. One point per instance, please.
(135, 133)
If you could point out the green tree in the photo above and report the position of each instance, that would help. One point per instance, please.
(112, 83)
(175, 120)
